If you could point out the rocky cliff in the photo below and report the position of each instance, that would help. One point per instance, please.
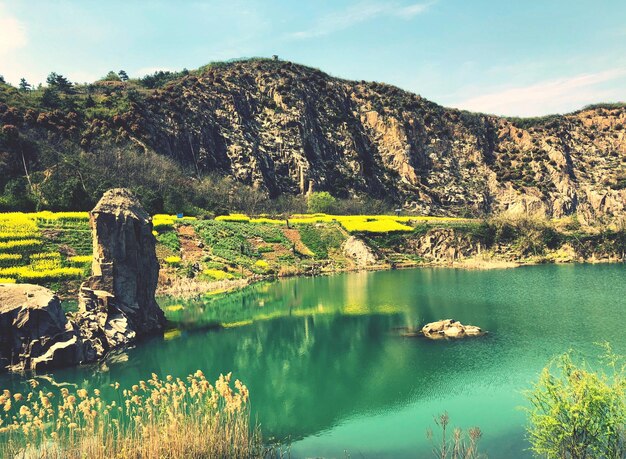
(286, 128)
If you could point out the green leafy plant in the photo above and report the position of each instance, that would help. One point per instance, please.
(321, 201)
(576, 412)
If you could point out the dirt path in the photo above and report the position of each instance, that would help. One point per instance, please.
(190, 244)
(294, 236)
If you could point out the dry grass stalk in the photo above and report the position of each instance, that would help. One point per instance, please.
(169, 418)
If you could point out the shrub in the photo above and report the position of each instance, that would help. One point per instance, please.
(216, 274)
(12, 235)
(20, 245)
(48, 216)
(262, 264)
(321, 240)
(375, 226)
(321, 201)
(30, 274)
(164, 222)
(8, 259)
(170, 240)
(270, 221)
(80, 259)
(576, 412)
(46, 256)
(455, 445)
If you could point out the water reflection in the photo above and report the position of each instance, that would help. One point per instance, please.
(326, 370)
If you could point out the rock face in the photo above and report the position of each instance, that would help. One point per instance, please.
(450, 328)
(280, 127)
(357, 250)
(117, 304)
(444, 244)
(34, 332)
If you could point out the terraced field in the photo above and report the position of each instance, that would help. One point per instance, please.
(51, 248)
(54, 248)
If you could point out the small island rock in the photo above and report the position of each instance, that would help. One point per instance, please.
(450, 328)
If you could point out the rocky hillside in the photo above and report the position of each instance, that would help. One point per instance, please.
(286, 128)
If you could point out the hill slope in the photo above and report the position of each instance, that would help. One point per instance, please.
(285, 128)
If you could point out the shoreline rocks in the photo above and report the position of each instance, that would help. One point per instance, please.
(359, 252)
(34, 331)
(117, 303)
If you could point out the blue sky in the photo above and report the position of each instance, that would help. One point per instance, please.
(515, 57)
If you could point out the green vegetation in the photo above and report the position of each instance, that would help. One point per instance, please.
(578, 412)
(173, 261)
(230, 242)
(236, 246)
(170, 240)
(63, 144)
(321, 201)
(321, 240)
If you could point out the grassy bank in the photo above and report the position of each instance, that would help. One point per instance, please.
(53, 249)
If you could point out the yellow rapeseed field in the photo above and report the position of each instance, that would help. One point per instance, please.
(233, 218)
(164, 222)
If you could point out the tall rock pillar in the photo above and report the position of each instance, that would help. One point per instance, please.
(119, 296)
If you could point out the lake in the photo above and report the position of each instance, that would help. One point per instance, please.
(329, 373)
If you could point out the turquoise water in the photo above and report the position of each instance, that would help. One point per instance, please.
(329, 374)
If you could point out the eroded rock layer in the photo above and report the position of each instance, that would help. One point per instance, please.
(117, 303)
(34, 332)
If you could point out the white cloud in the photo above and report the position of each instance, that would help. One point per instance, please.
(357, 14)
(409, 11)
(13, 35)
(551, 96)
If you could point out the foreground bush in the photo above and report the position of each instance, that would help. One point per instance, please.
(169, 418)
(578, 413)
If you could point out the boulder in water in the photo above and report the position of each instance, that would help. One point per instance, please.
(34, 332)
(450, 328)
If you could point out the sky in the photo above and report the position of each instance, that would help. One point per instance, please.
(506, 57)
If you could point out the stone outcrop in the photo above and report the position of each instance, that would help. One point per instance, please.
(34, 332)
(277, 125)
(450, 328)
(444, 244)
(117, 303)
(359, 252)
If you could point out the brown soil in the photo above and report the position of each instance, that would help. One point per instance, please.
(189, 243)
(294, 236)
